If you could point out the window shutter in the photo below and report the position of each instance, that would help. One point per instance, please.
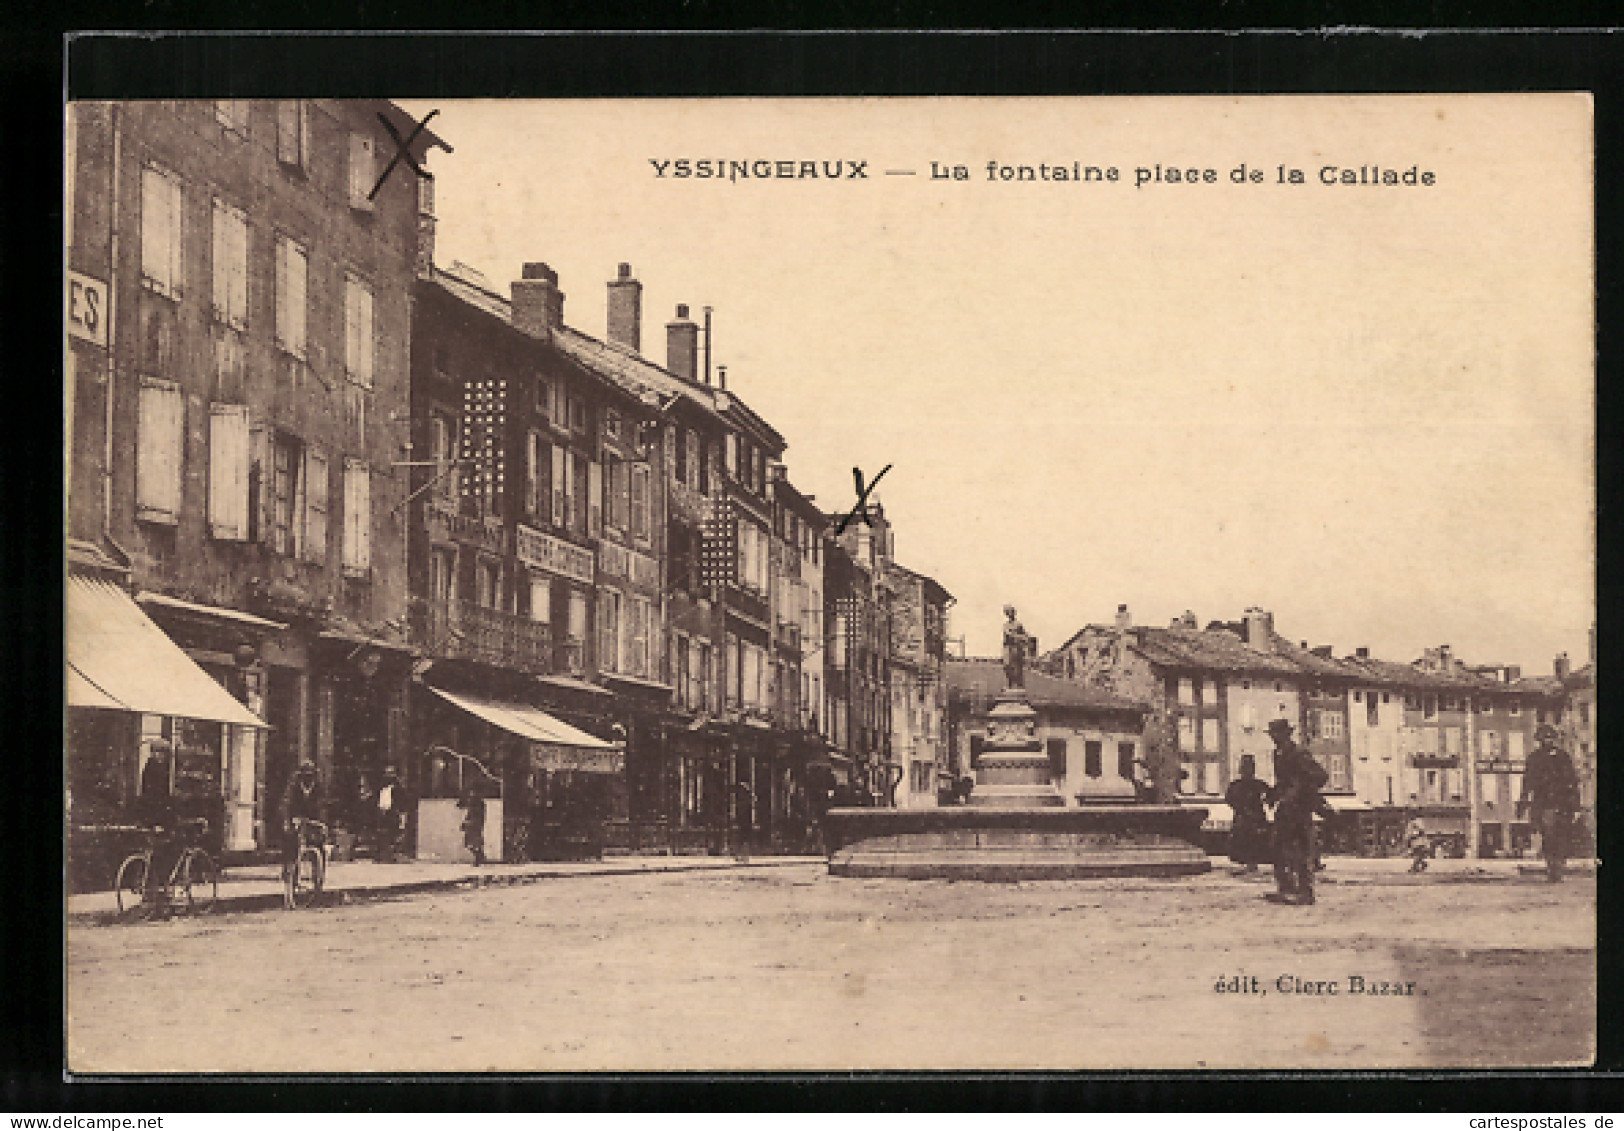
(160, 230)
(298, 301)
(289, 132)
(228, 472)
(239, 271)
(357, 516)
(640, 501)
(260, 475)
(363, 170)
(594, 495)
(222, 261)
(284, 324)
(295, 516)
(559, 517)
(161, 434)
(318, 483)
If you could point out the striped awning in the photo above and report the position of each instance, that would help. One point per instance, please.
(119, 659)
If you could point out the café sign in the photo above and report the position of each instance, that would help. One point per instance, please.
(87, 308)
(543, 551)
(551, 757)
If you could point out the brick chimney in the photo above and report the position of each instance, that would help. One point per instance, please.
(682, 345)
(626, 310)
(1259, 628)
(1362, 652)
(538, 304)
(1123, 620)
(1562, 666)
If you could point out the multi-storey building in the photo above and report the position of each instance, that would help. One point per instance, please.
(918, 615)
(856, 670)
(237, 424)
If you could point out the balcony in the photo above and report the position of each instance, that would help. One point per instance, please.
(462, 630)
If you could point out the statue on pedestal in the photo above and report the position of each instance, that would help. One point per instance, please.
(1017, 646)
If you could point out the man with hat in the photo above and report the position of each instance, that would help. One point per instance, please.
(1550, 794)
(1297, 785)
(155, 808)
(300, 803)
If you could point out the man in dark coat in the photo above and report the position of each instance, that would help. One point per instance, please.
(1298, 781)
(301, 802)
(156, 809)
(1550, 794)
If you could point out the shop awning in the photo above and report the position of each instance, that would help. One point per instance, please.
(118, 658)
(1347, 805)
(555, 745)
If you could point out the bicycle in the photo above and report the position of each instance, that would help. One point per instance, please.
(303, 880)
(193, 882)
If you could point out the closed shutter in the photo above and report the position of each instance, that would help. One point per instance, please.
(160, 231)
(594, 497)
(292, 132)
(259, 481)
(640, 502)
(161, 436)
(560, 517)
(230, 265)
(357, 517)
(229, 462)
(358, 332)
(317, 480)
(291, 277)
(363, 170)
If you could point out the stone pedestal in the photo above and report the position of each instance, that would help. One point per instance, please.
(1016, 825)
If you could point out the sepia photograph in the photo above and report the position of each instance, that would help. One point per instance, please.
(830, 584)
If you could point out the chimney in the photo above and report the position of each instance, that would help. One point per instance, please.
(538, 304)
(1259, 628)
(1362, 652)
(626, 310)
(682, 345)
(721, 377)
(1513, 673)
(1562, 666)
(1123, 620)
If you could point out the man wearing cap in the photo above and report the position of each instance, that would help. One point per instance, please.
(1298, 780)
(1550, 794)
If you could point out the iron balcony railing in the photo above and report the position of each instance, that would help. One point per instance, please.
(454, 629)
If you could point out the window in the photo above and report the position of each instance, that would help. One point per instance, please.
(232, 113)
(1584, 713)
(1187, 691)
(441, 567)
(1484, 706)
(425, 195)
(680, 458)
(230, 265)
(1514, 746)
(1125, 760)
(159, 451)
(1186, 733)
(1452, 740)
(443, 451)
(640, 501)
(357, 517)
(161, 231)
(613, 426)
(363, 171)
(1209, 734)
(695, 461)
(1488, 743)
(1372, 710)
(1386, 697)
(317, 480)
(1093, 761)
(1248, 716)
(229, 461)
(1358, 696)
(1514, 707)
(541, 599)
(488, 583)
(535, 478)
(358, 331)
(1330, 724)
(577, 616)
(608, 630)
(615, 493)
(293, 133)
(1429, 707)
(292, 305)
(1209, 692)
(730, 454)
(577, 411)
(287, 462)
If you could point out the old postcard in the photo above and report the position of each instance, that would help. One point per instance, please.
(830, 584)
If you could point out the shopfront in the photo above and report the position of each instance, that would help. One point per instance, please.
(128, 685)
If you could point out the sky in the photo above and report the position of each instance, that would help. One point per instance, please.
(1367, 408)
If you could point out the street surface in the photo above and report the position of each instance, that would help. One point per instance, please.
(789, 968)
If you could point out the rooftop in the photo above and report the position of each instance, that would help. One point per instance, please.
(985, 677)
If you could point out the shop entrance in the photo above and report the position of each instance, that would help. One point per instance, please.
(282, 746)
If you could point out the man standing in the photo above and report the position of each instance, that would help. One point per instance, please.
(473, 824)
(1550, 793)
(1298, 781)
(156, 809)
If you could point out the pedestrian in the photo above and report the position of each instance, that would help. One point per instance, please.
(1550, 796)
(1249, 830)
(301, 802)
(473, 824)
(1419, 844)
(1298, 781)
(155, 808)
(391, 823)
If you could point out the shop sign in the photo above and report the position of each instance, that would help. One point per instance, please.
(543, 551)
(1500, 766)
(546, 756)
(618, 561)
(87, 308)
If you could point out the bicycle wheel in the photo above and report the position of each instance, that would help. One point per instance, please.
(305, 880)
(131, 884)
(199, 882)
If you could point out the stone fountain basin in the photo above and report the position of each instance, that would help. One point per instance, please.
(1002, 844)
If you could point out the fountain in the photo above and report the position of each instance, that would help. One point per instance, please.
(1016, 824)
